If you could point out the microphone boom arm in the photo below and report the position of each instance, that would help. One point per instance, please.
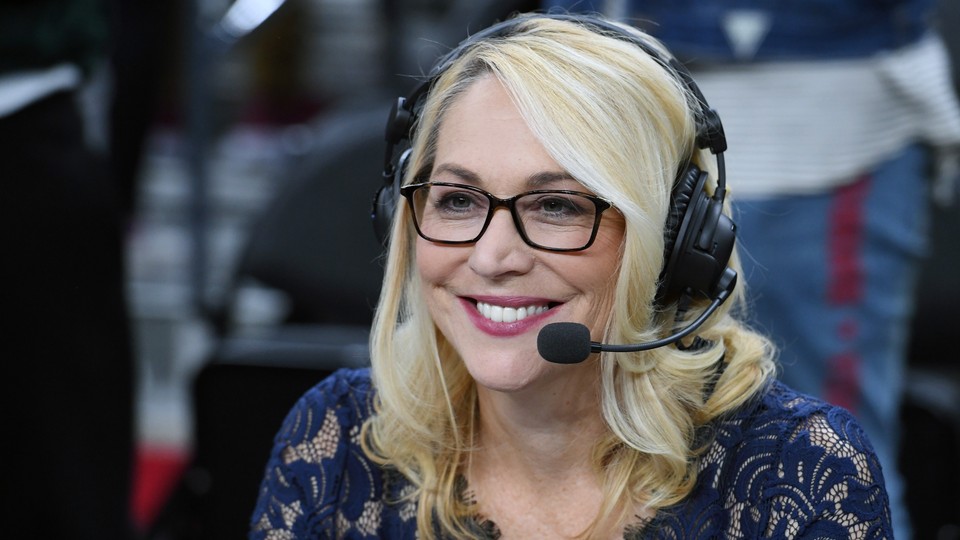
(725, 286)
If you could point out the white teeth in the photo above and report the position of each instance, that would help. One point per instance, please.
(508, 314)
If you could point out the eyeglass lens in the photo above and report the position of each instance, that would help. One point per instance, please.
(551, 219)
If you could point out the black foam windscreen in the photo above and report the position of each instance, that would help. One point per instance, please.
(564, 343)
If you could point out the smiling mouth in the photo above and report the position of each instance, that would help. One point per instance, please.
(503, 314)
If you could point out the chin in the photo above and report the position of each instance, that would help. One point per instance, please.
(505, 373)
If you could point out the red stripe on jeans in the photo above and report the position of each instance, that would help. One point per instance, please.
(845, 287)
(845, 236)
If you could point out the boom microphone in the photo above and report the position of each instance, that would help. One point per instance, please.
(569, 342)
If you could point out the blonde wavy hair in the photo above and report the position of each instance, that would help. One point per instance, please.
(623, 126)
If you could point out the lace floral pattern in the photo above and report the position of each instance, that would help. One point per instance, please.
(786, 466)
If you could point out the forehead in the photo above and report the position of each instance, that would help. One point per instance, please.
(484, 139)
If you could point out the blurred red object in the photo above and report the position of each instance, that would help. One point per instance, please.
(156, 472)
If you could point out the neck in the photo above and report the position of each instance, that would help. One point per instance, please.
(532, 472)
(542, 430)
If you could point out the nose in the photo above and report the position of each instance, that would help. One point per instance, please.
(501, 251)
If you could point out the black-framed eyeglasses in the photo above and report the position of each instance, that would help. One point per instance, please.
(554, 220)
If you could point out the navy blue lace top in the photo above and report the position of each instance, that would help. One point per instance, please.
(784, 466)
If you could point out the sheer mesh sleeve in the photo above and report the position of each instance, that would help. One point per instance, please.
(828, 483)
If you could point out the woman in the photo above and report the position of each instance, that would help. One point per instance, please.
(577, 128)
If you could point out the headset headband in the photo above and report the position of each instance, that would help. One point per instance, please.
(699, 238)
(710, 132)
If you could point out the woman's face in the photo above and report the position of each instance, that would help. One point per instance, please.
(484, 142)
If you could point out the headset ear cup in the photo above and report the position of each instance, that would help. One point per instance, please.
(381, 214)
(386, 199)
(679, 203)
(678, 213)
(699, 241)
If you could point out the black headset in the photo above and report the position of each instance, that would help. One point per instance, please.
(699, 237)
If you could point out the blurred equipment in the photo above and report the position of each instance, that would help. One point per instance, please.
(312, 244)
(243, 17)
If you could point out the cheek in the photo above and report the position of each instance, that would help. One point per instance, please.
(603, 264)
(428, 260)
(436, 265)
(603, 270)
(430, 276)
(601, 290)
(603, 306)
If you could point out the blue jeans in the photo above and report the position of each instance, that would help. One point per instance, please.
(831, 278)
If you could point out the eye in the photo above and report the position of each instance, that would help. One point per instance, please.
(453, 202)
(559, 205)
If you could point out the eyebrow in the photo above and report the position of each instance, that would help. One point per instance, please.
(534, 181)
(542, 179)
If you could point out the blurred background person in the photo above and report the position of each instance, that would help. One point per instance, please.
(840, 115)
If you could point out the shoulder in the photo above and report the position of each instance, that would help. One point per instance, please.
(327, 417)
(340, 402)
(315, 454)
(346, 391)
(794, 428)
(340, 387)
(800, 421)
(801, 465)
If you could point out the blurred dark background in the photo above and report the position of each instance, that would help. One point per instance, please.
(252, 268)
